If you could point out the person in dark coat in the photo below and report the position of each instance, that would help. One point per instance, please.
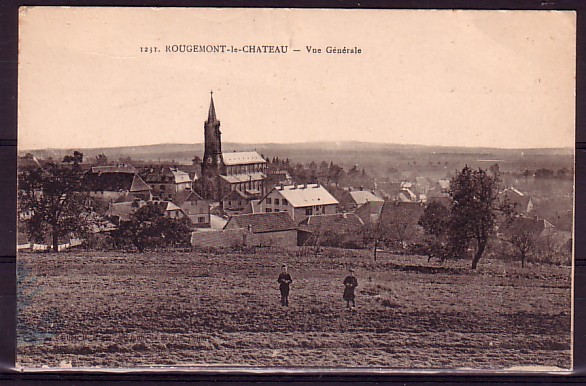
(284, 281)
(350, 283)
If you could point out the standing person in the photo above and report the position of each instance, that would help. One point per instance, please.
(284, 281)
(350, 283)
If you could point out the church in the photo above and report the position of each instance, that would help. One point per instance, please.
(222, 173)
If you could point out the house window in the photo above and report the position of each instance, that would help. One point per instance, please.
(201, 219)
(268, 210)
(277, 210)
(284, 202)
(276, 201)
(229, 203)
(308, 211)
(269, 201)
(162, 187)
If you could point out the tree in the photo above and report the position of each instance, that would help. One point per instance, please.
(149, 227)
(400, 220)
(435, 223)
(76, 158)
(524, 241)
(56, 200)
(494, 169)
(475, 206)
(378, 233)
(101, 159)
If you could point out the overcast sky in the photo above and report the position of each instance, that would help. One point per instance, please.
(461, 78)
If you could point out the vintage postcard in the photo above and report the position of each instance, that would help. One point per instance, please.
(295, 189)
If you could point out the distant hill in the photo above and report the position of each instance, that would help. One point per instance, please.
(383, 161)
(184, 153)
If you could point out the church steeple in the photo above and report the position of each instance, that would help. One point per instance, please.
(212, 164)
(212, 112)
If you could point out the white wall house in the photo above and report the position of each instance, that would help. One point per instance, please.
(300, 201)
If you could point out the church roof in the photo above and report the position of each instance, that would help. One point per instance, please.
(238, 178)
(242, 158)
(306, 195)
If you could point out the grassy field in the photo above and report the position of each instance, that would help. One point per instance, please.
(127, 310)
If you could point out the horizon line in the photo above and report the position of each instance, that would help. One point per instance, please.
(299, 143)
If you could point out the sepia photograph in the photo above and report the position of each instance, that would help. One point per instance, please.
(295, 189)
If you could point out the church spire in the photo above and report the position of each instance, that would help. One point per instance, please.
(212, 112)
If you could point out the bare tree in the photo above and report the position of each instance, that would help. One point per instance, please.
(524, 241)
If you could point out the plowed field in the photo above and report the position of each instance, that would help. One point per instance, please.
(128, 310)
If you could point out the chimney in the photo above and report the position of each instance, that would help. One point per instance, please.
(282, 186)
(361, 188)
(295, 186)
(305, 185)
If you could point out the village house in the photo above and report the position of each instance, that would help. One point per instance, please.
(422, 185)
(252, 207)
(165, 182)
(119, 212)
(225, 172)
(523, 203)
(112, 183)
(352, 199)
(195, 207)
(236, 201)
(407, 195)
(542, 235)
(266, 229)
(336, 230)
(395, 213)
(299, 201)
(444, 185)
(369, 212)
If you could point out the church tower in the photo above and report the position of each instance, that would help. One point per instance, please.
(212, 164)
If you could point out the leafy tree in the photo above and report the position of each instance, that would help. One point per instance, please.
(148, 227)
(101, 159)
(56, 201)
(494, 168)
(475, 206)
(335, 174)
(435, 219)
(76, 158)
(435, 223)
(128, 160)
